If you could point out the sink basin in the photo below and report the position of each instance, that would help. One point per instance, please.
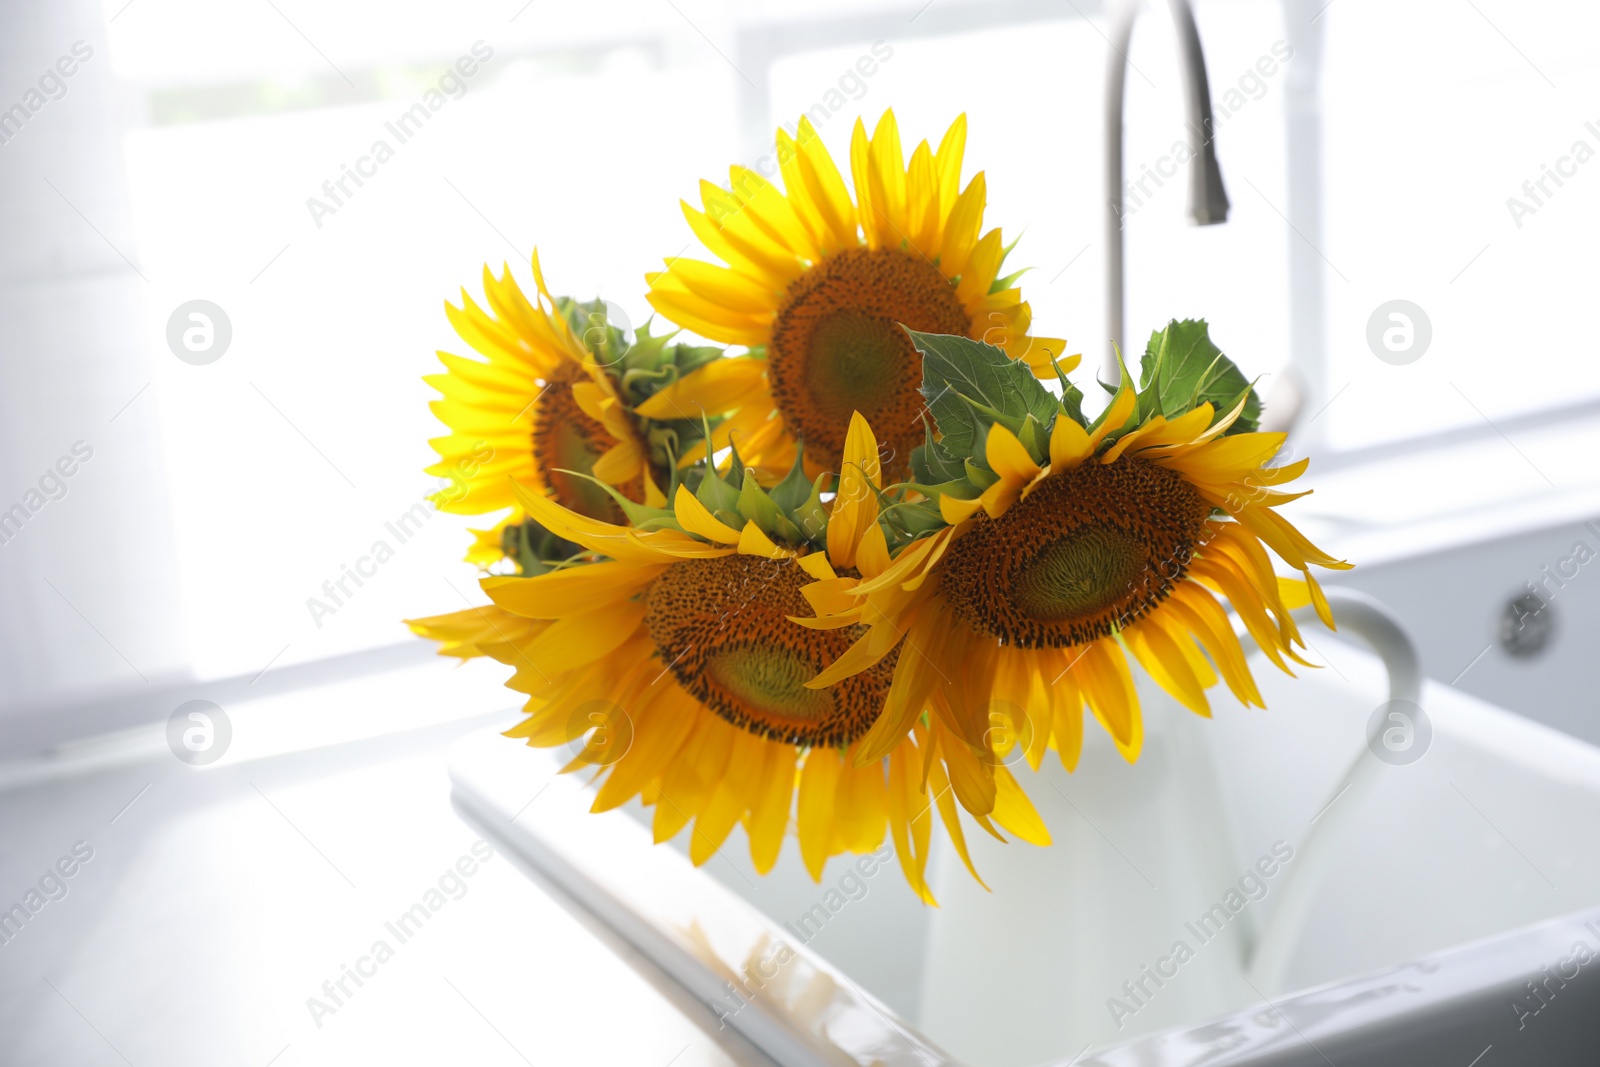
(1327, 900)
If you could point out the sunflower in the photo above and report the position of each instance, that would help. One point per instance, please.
(671, 652)
(551, 407)
(1073, 546)
(818, 286)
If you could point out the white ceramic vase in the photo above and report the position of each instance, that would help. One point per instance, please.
(1071, 946)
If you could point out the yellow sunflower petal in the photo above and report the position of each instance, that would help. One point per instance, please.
(1069, 443)
(1104, 681)
(962, 228)
(716, 387)
(855, 504)
(619, 464)
(816, 564)
(769, 816)
(922, 201)
(1116, 415)
(819, 779)
(1014, 811)
(697, 519)
(1008, 457)
(825, 189)
(944, 797)
(753, 541)
(947, 161)
(722, 287)
(955, 510)
(909, 820)
(887, 179)
(571, 591)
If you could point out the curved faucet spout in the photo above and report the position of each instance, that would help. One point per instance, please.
(1208, 201)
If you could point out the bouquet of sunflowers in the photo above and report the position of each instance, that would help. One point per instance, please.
(841, 578)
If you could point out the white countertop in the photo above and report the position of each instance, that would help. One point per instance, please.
(1407, 500)
(219, 900)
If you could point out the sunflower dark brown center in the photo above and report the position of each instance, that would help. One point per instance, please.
(1088, 551)
(837, 347)
(565, 438)
(722, 627)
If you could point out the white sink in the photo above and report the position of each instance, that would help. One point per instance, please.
(1367, 902)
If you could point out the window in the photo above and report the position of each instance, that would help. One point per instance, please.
(234, 157)
(1461, 174)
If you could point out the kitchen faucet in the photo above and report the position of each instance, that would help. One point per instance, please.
(1208, 202)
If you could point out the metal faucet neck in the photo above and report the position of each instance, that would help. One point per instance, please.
(1208, 201)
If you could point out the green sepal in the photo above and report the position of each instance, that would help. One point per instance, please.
(1008, 281)
(1005, 254)
(1221, 410)
(735, 476)
(758, 507)
(638, 514)
(1035, 440)
(590, 320)
(652, 364)
(640, 368)
(647, 365)
(716, 494)
(534, 549)
(788, 533)
(792, 513)
(790, 493)
(962, 488)
(812, 516)
(913, 520)
(1126, 383)
(981, 477)
(1070, 402)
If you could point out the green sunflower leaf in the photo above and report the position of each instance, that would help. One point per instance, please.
(969, 386)
(1183, 369)
(932, 463)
